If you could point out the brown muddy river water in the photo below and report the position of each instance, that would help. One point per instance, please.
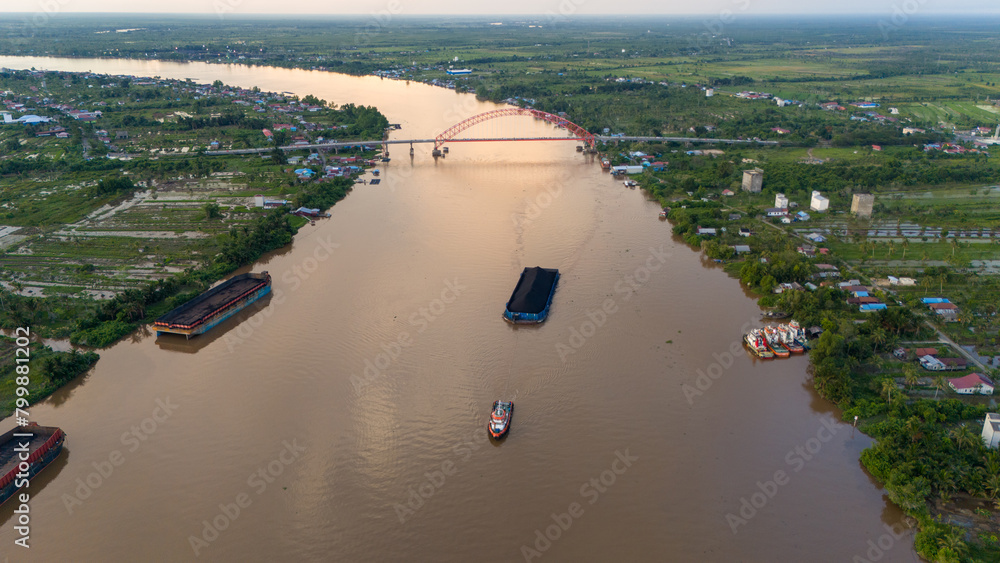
(343, 418)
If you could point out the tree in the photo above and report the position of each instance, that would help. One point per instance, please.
(905, 245)
(940, 384)
(963, 436)
(888, 386)
(910, 375)
(879, 337)
(212, 210)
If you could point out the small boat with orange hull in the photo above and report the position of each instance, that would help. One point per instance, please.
(774, 343)
(499, 424)
(788, 339)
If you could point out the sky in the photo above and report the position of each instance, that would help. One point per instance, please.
(562, 7)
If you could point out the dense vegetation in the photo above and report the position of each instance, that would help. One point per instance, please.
(49, 371)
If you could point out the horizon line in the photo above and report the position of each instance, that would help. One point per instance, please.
(616, 15)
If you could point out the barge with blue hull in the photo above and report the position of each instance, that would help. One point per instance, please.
(25, 451)
(200, 314)
(532, 297)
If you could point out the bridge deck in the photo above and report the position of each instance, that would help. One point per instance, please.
(602, 138)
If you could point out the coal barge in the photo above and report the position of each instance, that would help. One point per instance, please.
(215, 305)
(532, 296)
(24, 451)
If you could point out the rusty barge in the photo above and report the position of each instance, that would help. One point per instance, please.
(24, 451)
(215, 305)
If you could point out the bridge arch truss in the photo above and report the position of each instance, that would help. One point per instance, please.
(579, 133)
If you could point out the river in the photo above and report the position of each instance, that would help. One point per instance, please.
(343, 418)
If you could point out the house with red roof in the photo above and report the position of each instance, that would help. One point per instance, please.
(972, 384)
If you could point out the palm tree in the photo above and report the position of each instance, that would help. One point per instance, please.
(892, 247)
(954, 542)
(946, 482)
(940, 384)
(910, 375)
(888, 385)
(879, 337)
(993, 486)
(954, 245)
(963, 436)
(906, 244)
(992, 462)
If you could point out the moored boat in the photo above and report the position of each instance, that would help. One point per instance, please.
(788, 339)
(773, 341)
(500, 418)
(799, 334)
(754, 340)
(24, 451)
(215, 305)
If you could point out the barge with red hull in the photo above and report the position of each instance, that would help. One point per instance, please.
(200, 314)
(25, 451)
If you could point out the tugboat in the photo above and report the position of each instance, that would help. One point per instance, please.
(788, 339)
(773, 340)
(500, 419)
(799, 334)
(755, 342)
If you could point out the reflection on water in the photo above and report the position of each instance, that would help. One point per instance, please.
(389, 391)
(229, 329)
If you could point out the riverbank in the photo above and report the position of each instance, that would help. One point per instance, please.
(87, 205)
(924, 447)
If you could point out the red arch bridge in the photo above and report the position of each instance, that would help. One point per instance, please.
(451, 135)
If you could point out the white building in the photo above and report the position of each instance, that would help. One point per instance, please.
(972, 384)
(709, 92)
(780, 201)
(819, 202)
(991, 430)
